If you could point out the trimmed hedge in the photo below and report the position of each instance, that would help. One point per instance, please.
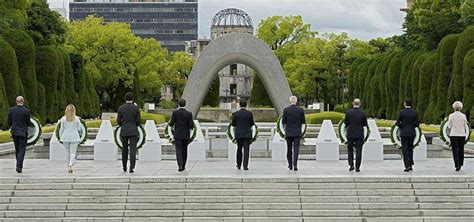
(158, 118)
(415, 77)
(3, 103)
(41, 103)
(465, 44)
(9, 69)
(83, 103)
(259, 96)
(446, 50)
(426, 76)
(394, 71)
(47, 70)
(61, 85)
(468, 80)
(318, 118)
(25, 52)
(342, 109)
(71, 95)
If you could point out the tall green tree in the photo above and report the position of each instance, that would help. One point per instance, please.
(415, 77)
(468, 79)
(45, 26)
(465, 44)
(9, 70)
(426, 77)
(177, 72)
(394, 71)
(47, 69)
(446, 50)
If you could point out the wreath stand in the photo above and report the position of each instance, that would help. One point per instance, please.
(373, 148)
(327, 143)
(105, 148)
(151, 150)
(421, 151)
(197, 148)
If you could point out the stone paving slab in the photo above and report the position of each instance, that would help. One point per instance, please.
(223, 171)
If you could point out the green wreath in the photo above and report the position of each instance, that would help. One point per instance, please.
(396, 140)
(342, 132)
(83, 137)
(141, 137)
(37, 131)
(443, 132)
(280, 129)
(231, 135)
(169, 133)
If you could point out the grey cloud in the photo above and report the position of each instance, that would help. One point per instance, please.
(365, 19)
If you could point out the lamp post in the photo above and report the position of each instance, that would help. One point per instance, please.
(226, 95)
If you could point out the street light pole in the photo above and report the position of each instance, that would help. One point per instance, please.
(341, 47)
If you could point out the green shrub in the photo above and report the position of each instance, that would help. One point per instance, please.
(317, 118)
(405, 78)
(47, 70)
(212, 96)
(383, 81)
(13, 18)
(468, 80)
(340, 108)
(3, 104)
(83, 103)
(9, 69)
(415, 77)
(426, 76)
(352, 76)
(366, 97)
(430, 116)
(25, 52)
(259, 96)
(61, 84)
(155, 117)
(446, 50)
(363, 73)
(41, 112)
(394, 71)
(165, 104)
(71, 95)
(465, 44)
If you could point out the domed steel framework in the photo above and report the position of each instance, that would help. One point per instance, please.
(232, 17)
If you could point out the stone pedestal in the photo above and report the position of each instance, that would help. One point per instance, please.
(104, 145)
(231, 151)
(373, 148)
(151, 151)
(278, 146)
(56, 149)
(421, 151)
(327, 143)
(197, 149)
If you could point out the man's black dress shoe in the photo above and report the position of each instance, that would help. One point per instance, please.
(458, 168)
(290, 167)
(238, 167)
(245, 168)
(132, 171)
(181, 169)
(19, 170)
(357, 170)
(406, 170)
(351, 168)
(295, 168)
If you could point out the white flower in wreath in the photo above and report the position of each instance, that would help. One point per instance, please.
(444, 132)
(169, 133)
(141, 137)
(281, 128)
(34, 132)
(397, 140)
(342, 132)
(231, 133)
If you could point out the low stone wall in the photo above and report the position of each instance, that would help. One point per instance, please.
(223, 115)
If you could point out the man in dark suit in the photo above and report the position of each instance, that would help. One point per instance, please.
(18, 121)
(355, 121)
(182, 122)
(242, 120)
(129, 119)
(293, 119)
(407, 122)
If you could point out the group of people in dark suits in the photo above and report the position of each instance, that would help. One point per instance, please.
(355, 121)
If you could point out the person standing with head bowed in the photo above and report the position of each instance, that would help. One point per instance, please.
(70, 134)
(408, 122)
(182, 123)
(457, 123)
(18, 121)
(293, 119)
(128, 118)
(355, 121)
(242, 121)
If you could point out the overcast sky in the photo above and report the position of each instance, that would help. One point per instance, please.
(364, 19)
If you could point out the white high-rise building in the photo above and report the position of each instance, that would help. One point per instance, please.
(60, 6)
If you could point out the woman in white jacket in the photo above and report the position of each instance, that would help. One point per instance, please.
(457, 124)
(70, 134)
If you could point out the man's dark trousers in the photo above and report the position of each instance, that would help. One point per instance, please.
(181, 152)
(243, 144)
(293, 151)
(20, 148)
(129, 142)
(407, 149)
(356, 143)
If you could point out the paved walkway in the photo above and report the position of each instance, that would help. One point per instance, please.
(223, 168)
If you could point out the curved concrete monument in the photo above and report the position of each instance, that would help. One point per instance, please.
(243, 49)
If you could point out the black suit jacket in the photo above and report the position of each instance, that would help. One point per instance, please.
(355, 121)
(183, 123)
(408, 121)
(129, 119)
(19, 120)
(242, 120)
(293, 119)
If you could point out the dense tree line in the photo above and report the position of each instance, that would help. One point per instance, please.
(433, 79)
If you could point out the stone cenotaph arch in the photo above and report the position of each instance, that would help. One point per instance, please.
(231, 49)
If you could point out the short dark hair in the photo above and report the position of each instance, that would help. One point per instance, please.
(128, 96)
(243, 103)
(181, 103)
(408, 102)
